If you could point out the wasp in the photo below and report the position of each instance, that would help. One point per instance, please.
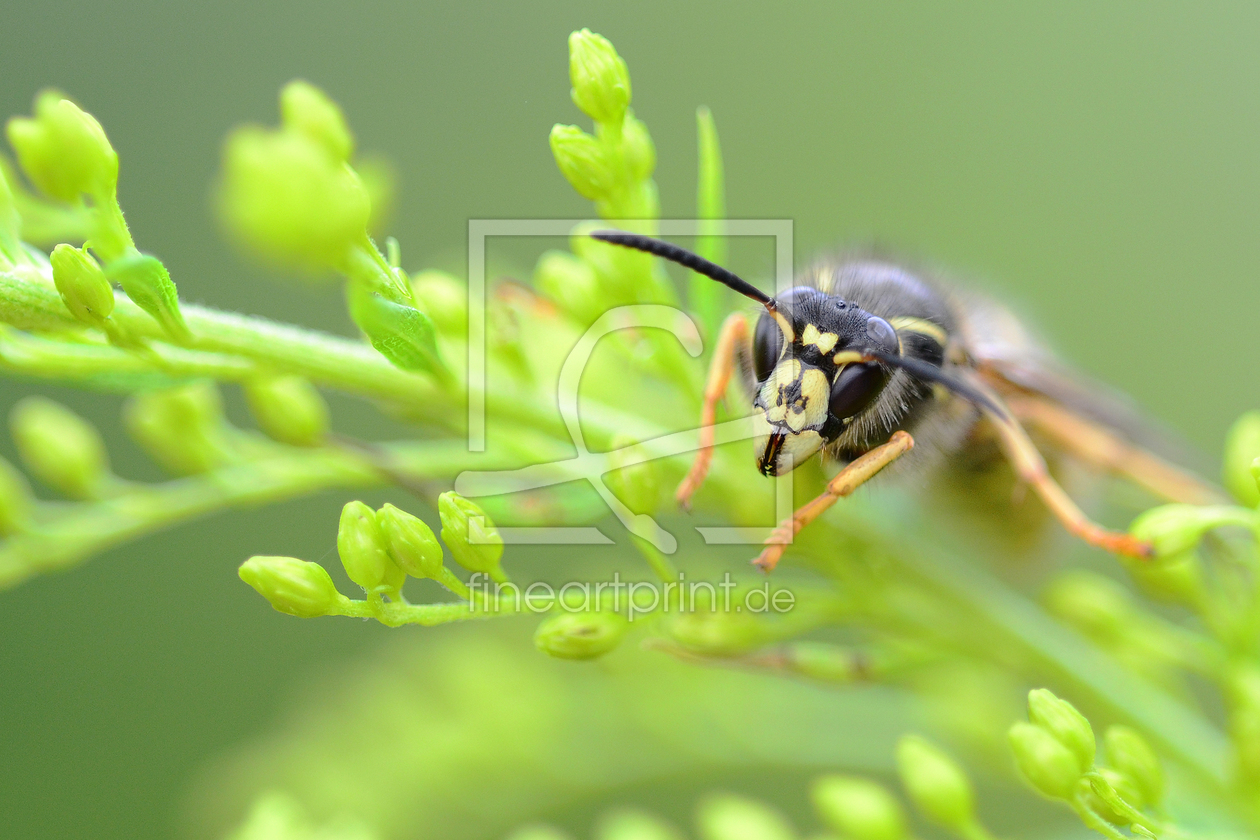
(872, 363)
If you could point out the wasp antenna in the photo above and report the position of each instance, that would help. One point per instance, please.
(931, 373)
(683, 257)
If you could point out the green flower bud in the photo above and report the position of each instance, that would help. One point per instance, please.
(632, 824)
(307, 110)
(1176, 529)
(1095, 605)
(582, 161)
(572, 284)
(59, 447)
(288, 408)
(637, 148)
(858, 808)
(473, 539)
(601, 83)
(1130, 756)
(1047, 765)
(1242, 449)
(1123, 787)
(180, 428)
(149, 285)
(639, 485)
(726, 817)
(1068, 726)
(82, 285)
(580, 635)
(935, 783)
(716, 633)
(289, 200)
(402, 334)
(412, 543)
(363, 548)
(444, 298)
(293, 586)
(15, 499)
(63, 150)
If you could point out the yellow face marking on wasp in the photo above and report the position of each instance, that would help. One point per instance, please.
(823, 341)
(795, 396)
(921, 326)
(846, 356)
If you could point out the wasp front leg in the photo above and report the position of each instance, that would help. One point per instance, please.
(854, 475)
(733, 349)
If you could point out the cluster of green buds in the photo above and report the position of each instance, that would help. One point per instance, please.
(61, 449)
(65, 155)
(379, 550)
(291, 196)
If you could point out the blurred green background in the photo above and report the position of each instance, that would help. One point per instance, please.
(1096, 164)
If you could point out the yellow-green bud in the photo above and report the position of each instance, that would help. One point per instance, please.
(572, 284)
(1177, 529)
(82, 285)
(726, 817)
(716, 633)
(471, 536)
(293, 586)
(937, 786)
(601, 83)
(1130, 756)
(290, 201)
(63, 150)
(633, 824)
(1045, 763)
(402, 334)
(857, 808)
(288, 408)
(15, 499)
(307, 110)
(444, 298)
(412, 543)
(637, 485)
(637, 148)
(582, 161)
(580, 635)
(1097, 606)
(1123, 787)
(180, 428)
(363, 548)
(1068, 726)
(147, 282)
(1242, 449)
(59, 447)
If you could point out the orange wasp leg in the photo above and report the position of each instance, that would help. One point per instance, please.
(1031, 467)
(1101, 448)
(853, 476)
(732, 340)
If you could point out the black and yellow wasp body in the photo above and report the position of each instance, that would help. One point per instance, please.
(875, 364)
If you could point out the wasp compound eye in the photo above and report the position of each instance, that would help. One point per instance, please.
(767, 346)
(882, 336)
(855, 388)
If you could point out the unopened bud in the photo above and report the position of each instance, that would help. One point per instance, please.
(444, 298)
(292, 586)
(288, 408)
(15, 499)
(857, 808)
(63, 150)
(147, 282)
(59, 447)
(180, 428)
(1068, 726)
(601, 83)
(1242, 449)
(1176, 529)
(82, 285)
(582, 161)
(473, 539)
(726, 817)
(402, 334)
(935, 783)
(307, 109)
(363, 549)
(1095, 605)
(412, 543)
(1047, 765)
(572, 284)
(633, 824)
(637, 148)
(1121, 786)
(1130, 756)
(580, 635)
